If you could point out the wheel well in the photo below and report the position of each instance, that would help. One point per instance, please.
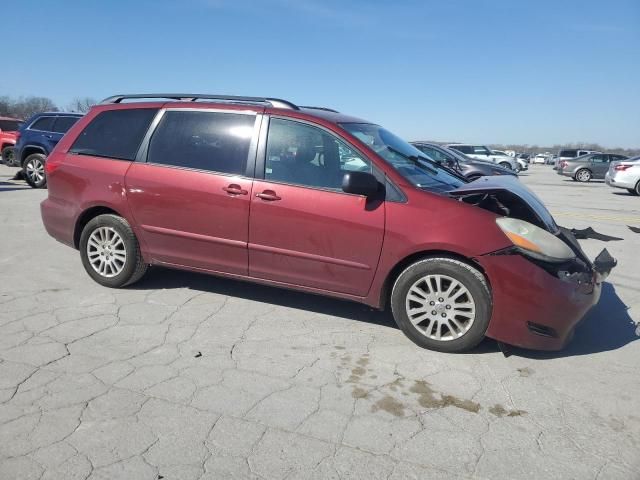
(85, 218)
(28, 151)
(5, 145)
(395, 272)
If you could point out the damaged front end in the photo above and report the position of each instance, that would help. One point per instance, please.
(553, 248)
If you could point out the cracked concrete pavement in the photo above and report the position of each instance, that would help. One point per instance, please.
(185, 376)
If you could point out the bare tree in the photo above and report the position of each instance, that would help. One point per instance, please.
(81, 104)
(25, 107)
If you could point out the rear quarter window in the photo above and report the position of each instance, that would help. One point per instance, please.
(63, 124)
(114, 133)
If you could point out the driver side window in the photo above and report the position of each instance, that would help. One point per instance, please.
(300, 154)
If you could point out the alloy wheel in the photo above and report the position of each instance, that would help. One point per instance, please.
(584, 175)
(35, 170)
(106, 252)
(440, 307)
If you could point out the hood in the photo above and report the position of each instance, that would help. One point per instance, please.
(507, 196)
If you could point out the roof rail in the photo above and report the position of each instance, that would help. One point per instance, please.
(320, 108)
(192, 97)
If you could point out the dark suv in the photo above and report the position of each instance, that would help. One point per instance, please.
(36, 139)
(307, 198)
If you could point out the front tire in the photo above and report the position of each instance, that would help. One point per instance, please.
(110, 252)
(506, 165)
(583, 175)
(33, 170)
(635, 191)
(442, 304)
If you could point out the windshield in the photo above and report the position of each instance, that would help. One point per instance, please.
(411, 163)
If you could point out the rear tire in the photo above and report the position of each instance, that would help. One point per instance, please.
(583, 175)
(8, 156)
(110, 252)
(33, 169)
(455, 291)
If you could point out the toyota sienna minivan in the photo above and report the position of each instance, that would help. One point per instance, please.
(310, 199)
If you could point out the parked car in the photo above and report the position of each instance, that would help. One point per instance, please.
(521, 164)
(36, 139)
(8, 131)
(540, 158)
(480, 152)
(338, 206)
(588, 167)
(524, 156)
(625, 174)
(467, 167)
(569, 154)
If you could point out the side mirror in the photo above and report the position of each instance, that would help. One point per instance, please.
(360, 183)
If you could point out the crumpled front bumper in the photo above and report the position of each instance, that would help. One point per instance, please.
(538, 306)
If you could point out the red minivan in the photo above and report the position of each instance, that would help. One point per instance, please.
(308, 198)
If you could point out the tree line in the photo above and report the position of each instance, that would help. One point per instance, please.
(24, 107)
(535, 149)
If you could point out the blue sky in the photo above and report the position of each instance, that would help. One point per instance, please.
(492, 71)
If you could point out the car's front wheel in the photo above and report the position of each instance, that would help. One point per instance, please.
(583, 175)
(33, 170)
(635, 191)
(506, 165)
(110, 252)
(442, 304)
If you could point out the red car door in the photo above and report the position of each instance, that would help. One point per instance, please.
(303, 229)
(191, 198)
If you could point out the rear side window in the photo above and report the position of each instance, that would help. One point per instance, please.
(63, 124)
(44, 124)
(114, 133)
(568, 153)
(213, 141)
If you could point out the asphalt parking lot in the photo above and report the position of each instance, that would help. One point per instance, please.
(185, 376)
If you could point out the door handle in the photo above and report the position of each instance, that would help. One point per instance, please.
(234, 189)
(268, 195)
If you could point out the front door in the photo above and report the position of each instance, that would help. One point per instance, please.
(190, 199)
(303, 228)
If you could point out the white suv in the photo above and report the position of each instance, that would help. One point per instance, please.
(480, 152)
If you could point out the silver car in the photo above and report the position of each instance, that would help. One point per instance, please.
(625, 174)
(588, 167)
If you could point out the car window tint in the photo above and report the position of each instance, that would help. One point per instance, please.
(599, 158)
(568, 153)
(463, 148)
(10, 125)
(304, 155)
(114, 133)
(63, 124)
(44, 124)
(202, 140)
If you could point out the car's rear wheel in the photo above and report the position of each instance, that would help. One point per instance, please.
(8, 156)
(110, 252)
(442, 304)
(33, 169)
(583, 175)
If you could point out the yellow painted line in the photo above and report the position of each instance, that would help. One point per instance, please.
(589, 216)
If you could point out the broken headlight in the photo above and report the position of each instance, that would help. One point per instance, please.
(534, 241)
